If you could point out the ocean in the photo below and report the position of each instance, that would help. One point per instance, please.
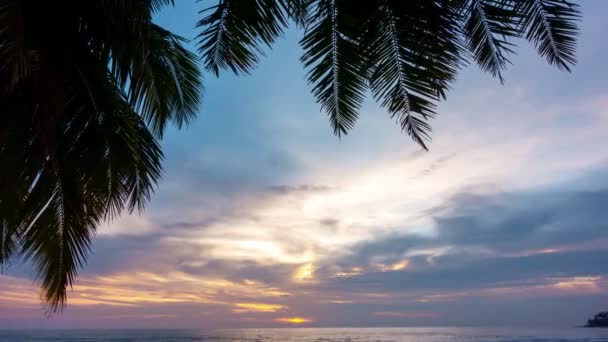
(317, 335)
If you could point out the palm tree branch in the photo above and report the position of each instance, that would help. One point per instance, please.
(166, 87)
(235, 31)
(551, 26)
(335, 61)
(489, 24)
(412, 66)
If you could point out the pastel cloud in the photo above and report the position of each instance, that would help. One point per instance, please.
(257, 307)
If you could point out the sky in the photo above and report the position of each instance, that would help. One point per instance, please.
(263, 218)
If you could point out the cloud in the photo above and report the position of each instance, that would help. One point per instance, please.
(287, 189)
(304, 274)
(17, 292)
(145, 288)
(128, 224)
(257, 307)
(508, 221)
(485, 240)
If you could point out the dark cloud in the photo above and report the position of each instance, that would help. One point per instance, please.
(329, 221)
(287, 189)
(128, 253)
(488, 239)
(435, 165)
(507, 222)
(454, 273)
(515, 221)
(239, 271)
(393, 246)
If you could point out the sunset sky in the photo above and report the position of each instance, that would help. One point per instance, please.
(264, 218)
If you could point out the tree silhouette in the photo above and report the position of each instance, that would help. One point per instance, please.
(600, 320)
(88, 88)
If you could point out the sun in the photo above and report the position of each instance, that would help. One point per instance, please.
(294, 320)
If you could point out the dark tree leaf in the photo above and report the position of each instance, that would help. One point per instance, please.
(551, 25)
(335, 59)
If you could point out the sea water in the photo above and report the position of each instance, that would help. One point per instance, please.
(317, 335)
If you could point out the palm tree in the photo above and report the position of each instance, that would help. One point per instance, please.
(91, 85)
(88, 88)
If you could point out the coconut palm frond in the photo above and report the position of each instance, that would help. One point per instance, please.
(234, 32)
(489, 26)
(335, 60)
(417, 51)
(551, 26)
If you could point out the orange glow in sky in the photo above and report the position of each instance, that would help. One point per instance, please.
(294, 320)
